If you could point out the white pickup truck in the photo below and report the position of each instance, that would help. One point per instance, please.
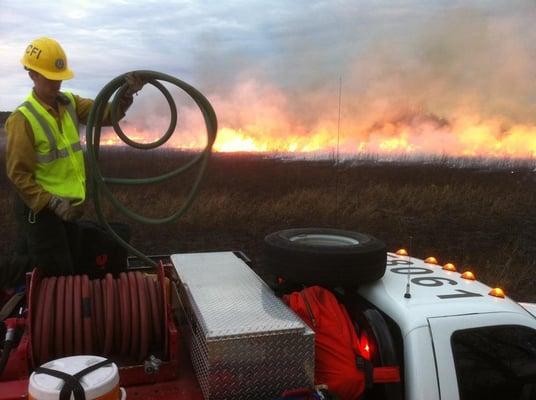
(453, 338)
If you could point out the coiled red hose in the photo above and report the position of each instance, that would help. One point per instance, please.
(59, 320)
(120, 318)
(77, 316)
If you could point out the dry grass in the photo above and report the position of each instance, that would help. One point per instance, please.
(472, 217)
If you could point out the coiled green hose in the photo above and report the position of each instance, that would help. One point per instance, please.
(93, 133)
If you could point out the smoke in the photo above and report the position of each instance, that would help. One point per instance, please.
(467, 60)
(417, 77)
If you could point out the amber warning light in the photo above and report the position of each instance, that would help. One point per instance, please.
(469, 276)
(449, 267)
(431, 260)
(497, 292)
(402, 252)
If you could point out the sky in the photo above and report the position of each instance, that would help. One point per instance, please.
(276, 69)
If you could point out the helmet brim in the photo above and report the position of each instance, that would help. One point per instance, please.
(64, 75)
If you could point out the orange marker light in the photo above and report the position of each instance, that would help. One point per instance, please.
(449, 267)
(469, 276)
(497, 292)
(402, 252)
(431, 260)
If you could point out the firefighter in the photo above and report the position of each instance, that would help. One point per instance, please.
(44, 158)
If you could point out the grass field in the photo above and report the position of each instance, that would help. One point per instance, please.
(477, 218)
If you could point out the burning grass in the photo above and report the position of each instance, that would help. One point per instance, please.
(477, 218)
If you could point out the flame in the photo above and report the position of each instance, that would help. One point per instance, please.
(397, 144)
(257, 117)
(229, 140)
(487, 139)
(462, 138)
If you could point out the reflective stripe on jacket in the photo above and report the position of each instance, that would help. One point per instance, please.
(60, 161)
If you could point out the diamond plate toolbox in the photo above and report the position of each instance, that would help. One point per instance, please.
(245, 343)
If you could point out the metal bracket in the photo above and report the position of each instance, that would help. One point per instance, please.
(152, 365)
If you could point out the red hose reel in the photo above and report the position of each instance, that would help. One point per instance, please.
(123, 318)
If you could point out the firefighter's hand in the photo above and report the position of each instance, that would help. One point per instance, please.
(76, 211)
(134, 83)
(65, 209)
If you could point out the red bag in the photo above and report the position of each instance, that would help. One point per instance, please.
(337, 347)
(336, 343)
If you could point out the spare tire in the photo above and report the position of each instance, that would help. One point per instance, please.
(327, 257)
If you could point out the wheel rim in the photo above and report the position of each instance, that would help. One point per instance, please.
(325, 240)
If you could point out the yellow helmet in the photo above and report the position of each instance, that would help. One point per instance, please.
(45, 55)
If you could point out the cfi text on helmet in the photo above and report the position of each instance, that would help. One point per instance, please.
(33, 50)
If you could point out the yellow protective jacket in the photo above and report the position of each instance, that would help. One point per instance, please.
(59, 167)
(25, 151)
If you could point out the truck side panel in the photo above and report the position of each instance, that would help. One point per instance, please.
(420, 369)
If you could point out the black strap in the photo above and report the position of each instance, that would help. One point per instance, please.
(367, 368)
(92, 368)
(72, 382)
